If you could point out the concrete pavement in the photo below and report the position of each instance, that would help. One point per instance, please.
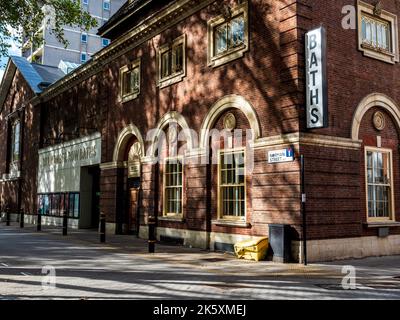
(122, 269)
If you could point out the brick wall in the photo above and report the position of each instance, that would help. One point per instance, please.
(351, 76)
(270, 76)
(19, 95)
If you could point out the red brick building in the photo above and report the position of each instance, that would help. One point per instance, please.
(102, 137)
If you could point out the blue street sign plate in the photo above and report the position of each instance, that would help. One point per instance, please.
(283, 155)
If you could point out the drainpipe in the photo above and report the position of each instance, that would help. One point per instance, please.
(139, 199)
(303, 209)
(21, 151)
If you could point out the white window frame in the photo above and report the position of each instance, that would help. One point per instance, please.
(174, 77)
(391, 185)
(235, 53)
(14, 139)
(222, 217)
(102, 42)
(84, 34)
(128, 97)
(85, 2)
(168, 214)
(368, 51)
(84, 54)
(107, 8)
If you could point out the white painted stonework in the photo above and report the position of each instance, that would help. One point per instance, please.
(60, 166)
(52, 221)
(318, 250)
(197, 239)
(347, 248)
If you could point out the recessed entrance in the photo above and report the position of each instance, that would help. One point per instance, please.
(90, 197)
(133, 187)
(69, 182)
(133, 208)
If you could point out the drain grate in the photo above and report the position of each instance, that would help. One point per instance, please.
(213, 259)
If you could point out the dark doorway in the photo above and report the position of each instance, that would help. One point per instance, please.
(134, 205)
(94, 172)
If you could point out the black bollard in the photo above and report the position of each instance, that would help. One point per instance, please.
(8, 216)
(39, 221)
(102, 227)
(152, 234)
(21, 219)
(65, 223)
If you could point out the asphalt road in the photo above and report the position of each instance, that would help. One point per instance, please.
(121, 269)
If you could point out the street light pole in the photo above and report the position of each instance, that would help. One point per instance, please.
(102, 227)
(303, 208)
(152, 234)
(65, 223)
(21, 219)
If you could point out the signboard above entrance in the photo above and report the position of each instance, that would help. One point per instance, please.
(60, 165)
(134, 169)
(76, 153)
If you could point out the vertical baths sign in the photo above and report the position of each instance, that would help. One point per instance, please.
(316, 81)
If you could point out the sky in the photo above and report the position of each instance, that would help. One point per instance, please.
(14, 51)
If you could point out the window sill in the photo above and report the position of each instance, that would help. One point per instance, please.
(231, 223)
(379, 54)
(11, 176)
(172, 219)
(377, 50)
(229, 56)
(129, 97)
(165, 82)
(381, 224)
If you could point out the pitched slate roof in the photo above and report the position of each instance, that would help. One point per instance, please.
(47, 73)
(129, 15)
(37, 76)
(28, 72)
(124, 10)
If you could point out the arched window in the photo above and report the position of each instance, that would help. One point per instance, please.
(173, 187)
(173, 173)
(232, 184)
(15, 141)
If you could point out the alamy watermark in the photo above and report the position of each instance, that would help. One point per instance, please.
(49, 278)
(201, 149)
(349, 281)
(349, 21)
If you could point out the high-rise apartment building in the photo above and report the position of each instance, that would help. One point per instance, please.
(82, 44)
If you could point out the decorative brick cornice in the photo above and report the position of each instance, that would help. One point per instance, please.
(302, 138)
(149, 28)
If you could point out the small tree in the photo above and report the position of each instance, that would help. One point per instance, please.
(24, 18)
